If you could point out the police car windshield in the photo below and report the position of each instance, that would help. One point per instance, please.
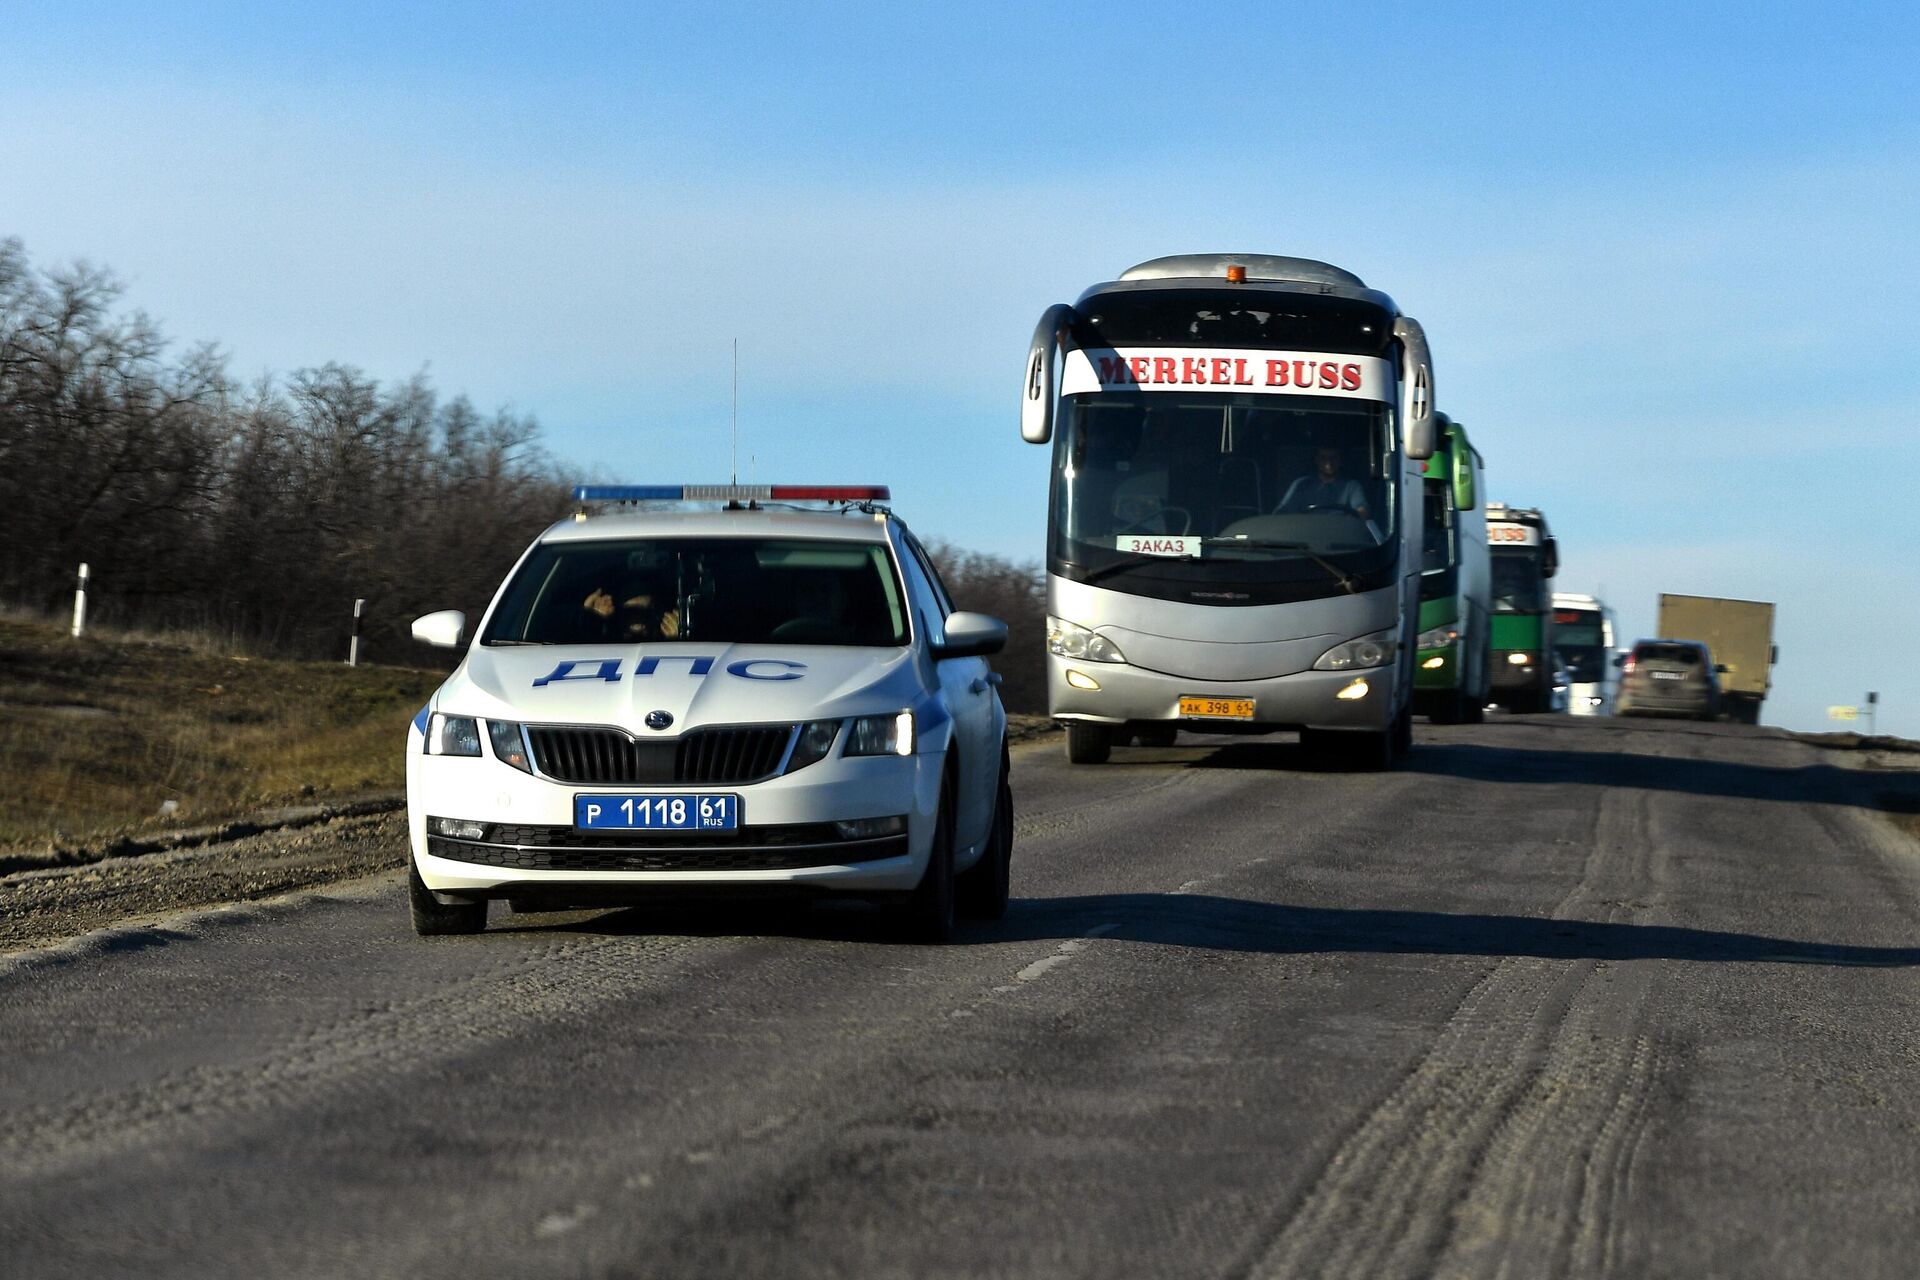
(713, 590)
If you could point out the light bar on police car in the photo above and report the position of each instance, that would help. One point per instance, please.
(730, 493)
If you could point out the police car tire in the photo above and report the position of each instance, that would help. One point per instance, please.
(1088, 743)
(928, 914)
(984, 887)
(433, 918)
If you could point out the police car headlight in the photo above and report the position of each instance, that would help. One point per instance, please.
(453, 736)
(881, 735)
(1438, 638)
(1071, 640)
(509, 744)
(1368, 651)
(816, 739)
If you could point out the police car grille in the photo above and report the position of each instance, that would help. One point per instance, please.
(731, 755)
(608, 757)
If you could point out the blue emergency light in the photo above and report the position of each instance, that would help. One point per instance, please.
(730, 493)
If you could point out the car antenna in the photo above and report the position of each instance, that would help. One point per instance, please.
(735, 505)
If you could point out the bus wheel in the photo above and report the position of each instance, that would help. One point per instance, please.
(1088, 743)
(1472, 710)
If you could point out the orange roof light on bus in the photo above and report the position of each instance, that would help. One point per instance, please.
(1236, 274)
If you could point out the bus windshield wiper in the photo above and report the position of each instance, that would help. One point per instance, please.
(1130, 562)
(1346, 580)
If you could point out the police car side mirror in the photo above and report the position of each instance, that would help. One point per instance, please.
(1719, 668)
(444, 629)
(972, 635)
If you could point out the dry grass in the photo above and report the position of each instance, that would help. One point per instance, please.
(96, 735)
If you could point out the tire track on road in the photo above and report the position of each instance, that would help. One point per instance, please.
(1506, 1148)
(559, 980)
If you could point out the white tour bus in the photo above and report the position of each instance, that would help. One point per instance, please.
(1234, 531)
(1583, 639)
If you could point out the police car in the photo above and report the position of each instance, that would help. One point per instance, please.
(763, 696)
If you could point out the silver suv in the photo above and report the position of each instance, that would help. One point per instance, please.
(1669, 678)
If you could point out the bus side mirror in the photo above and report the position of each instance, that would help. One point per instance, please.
(1420, 432)
(1037, 396)
(1550, 561)
(1619, 659)
(1464, 497)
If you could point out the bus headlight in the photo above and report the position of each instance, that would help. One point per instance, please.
(1368, 651)
(1438, 638)
(1071, 640)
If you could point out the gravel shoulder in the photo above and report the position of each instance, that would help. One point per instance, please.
(46, 905)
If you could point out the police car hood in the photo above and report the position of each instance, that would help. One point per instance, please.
(695, 684)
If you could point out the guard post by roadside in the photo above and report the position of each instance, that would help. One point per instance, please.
(353, 645)
(80, 601)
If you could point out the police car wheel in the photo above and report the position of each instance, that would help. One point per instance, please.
(929, 910)
(433, 918)
(984, 887)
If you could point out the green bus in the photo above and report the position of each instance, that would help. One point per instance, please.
(1452, 679)
(1525, 556)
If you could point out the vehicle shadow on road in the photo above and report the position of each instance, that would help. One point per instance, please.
(1896, 793)
(1236, 924)
(1816, 784)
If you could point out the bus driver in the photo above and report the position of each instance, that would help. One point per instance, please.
(1325, 489)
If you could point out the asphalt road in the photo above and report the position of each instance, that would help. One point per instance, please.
(1559, 998)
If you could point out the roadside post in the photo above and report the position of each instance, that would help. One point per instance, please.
(353, 646)
(80, 601)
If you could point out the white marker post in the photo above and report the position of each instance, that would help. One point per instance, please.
(80, 602)
(353, 647)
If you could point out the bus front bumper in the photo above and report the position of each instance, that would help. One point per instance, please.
(1303, 700)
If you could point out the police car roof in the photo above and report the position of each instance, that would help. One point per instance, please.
(850, 526)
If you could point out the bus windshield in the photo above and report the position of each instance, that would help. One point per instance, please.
(1222, 476)
(1581, 642)
(1437, 551)
(1518, 583)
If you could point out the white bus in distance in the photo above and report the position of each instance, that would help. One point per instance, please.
(1583, 639)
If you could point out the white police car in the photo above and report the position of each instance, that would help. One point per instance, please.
(745, 698)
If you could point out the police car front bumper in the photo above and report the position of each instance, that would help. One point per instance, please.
(527, 844)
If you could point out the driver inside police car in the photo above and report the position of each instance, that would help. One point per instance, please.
(1326, 488)
(642, 609)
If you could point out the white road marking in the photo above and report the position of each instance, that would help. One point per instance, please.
(1063, 953)
(558, 1224)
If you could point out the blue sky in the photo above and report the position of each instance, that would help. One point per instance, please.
(1664, 255)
